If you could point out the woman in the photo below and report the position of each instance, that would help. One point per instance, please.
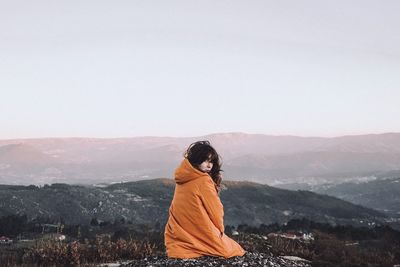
(195, 225)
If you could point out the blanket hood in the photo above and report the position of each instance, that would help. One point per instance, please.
(186, 172)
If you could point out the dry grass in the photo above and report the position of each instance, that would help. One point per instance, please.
(103, 249)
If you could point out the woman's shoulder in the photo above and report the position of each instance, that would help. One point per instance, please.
(201, 182)
(206, 179)
(198, 184)
(206, 184)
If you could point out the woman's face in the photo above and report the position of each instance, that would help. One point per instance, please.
(206, 166)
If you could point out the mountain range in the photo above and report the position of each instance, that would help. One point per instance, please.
(147, 201)
(273, 160)
(379, 194)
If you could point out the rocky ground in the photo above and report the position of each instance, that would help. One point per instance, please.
(249, 259)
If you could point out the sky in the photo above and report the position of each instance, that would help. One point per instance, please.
(190, 68)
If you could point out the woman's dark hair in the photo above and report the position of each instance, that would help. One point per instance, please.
(199, 152)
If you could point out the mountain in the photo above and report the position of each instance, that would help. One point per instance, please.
(313, 167)
(20, 153)
(20, 163)
(380, 194)
(273, 160)
(147, 201)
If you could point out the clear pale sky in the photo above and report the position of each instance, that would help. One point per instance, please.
(189, 68)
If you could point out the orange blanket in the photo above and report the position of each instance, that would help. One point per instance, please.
(195, 225)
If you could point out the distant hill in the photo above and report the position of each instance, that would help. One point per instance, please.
(148, 201)
(273, 160)
(23, 154)
(381, 194)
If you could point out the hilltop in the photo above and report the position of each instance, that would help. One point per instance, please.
(142, 201)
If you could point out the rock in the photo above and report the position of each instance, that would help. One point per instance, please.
(294, 258)
(249, 259)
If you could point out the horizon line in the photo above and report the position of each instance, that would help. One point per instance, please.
(197, 136)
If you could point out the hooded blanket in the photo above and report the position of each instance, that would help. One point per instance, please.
(195, 225)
